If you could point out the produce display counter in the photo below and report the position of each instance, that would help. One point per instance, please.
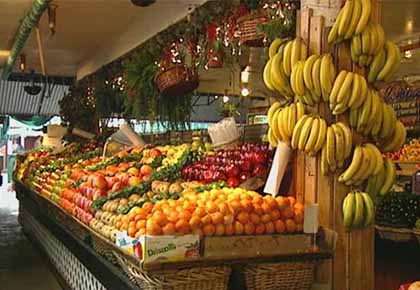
(73, 250)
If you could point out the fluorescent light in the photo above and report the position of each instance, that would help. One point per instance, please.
(245, 92)
(4, 53)
(408, 54)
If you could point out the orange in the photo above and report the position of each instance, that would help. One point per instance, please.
(290, 226)
(228, 219)
(245, 196)
(222, 197)
(235, 206)
(141, 224)
(281, 203)
(185, 214)
(118, 224)
(223, 208)
(259, 229)
(266, 207)
(200, 212)
(168, 229)
(275, 214)
(173, 217)
(270, 200)
(292, 200)
(131, 216)
(195, 222)
(124, 226)
(269, 228)
(209, 230)
(217, 218)
(257, 199)
(298, 217)
(142, 213)
(182, 226)
(132, 224)
(188, 206)
(160, 218)
(141, 232)
(266, 218)
(299, 228)
(288, 212)
(211, 207)
(243, 217)
(147, 206)
(229, 230)
(249, 229)
(246, 205)
(255, 219)
(239, 228)
(153, 229)
(132, 231)
(213, 194)
(205, 220)
(258, 209)
(280, 227)
(298, 205)
(220, 230)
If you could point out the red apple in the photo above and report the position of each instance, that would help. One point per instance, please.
(123, 177)
(246, 165)
(117, 186)
(99, 181)
(154, 152)
(259, 170)
(244, 176)
(110, 180)
(232, 182)
(146, 170)
(232, 170)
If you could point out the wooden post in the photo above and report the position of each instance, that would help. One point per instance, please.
(353, 265)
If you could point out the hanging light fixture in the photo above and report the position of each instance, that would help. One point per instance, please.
(22, 63)
(143, 3)
(52, 13)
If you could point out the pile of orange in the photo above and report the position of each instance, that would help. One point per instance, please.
(216, 212)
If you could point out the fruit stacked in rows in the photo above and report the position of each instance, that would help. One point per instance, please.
(358, 210)
(398, 210)
(217, 212)
(409, 153)
(234, 166)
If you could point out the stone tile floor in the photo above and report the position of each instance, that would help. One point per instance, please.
(21, 265)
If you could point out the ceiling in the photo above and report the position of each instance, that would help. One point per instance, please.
(90, 33)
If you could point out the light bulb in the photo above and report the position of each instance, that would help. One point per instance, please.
(245, 92)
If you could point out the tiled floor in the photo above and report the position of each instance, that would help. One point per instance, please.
(21, 266)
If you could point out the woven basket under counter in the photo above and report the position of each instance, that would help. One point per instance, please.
(394, 234)
(197, 278)
(280, 276)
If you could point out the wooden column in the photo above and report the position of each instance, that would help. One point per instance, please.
(353, 265)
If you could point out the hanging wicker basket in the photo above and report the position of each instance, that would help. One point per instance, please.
(176, 81)
(247, 26)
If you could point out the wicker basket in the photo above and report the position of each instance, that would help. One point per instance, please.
(176, 81)
(198, 278)
(276, 276)
(394, 234)
(247, 25)
(103, 248)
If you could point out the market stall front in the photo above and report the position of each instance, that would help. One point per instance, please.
(286, 191)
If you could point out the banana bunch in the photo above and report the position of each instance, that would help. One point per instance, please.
(358, 210)
(385, 63)
(312, 79)
(349, 90)
(337, 148)
(309, 134)
(369, 117)
(367, 45)
(367, 161)
(396, 141)
(381, 183)
(283, 57)
(282, 121)
(352, 19)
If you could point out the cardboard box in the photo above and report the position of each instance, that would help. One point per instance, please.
(255, 246)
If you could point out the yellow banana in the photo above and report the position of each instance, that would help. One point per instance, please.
(315, 76)
(369, 209)
(333, 35)
(356, 89)
(365, 110)
(296, 52)
(313, 136)
(304, 135)
(278, 80)
(396, 65)
(275, 126)
(376, 66)
(271, 138)
(363, 93)
(378, 122)
(300, 84)
(359, 210)
(267, 76)
(353, 117)
(346, 18)
(321, 137)
(291, 119)
(392, 55)
(297, 131)
(397, 140)
(381, 38)
(388, 122)
(287, 58)
(372, 162)
(325, 76)
(282, 125)
(366, 40)
(274, 46)
(339, 145)
(373, 39)
(389, 180)
(348, 139)
(300, 110)
(356, 43)
(307, 71)
(337, 86)
(355, 16)
(354, 165)
(324, 162)
(349, 209)
(364, 18)
(344, 92)
(357, 177)
(379, 162)
(273, 108)
(331, 158)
